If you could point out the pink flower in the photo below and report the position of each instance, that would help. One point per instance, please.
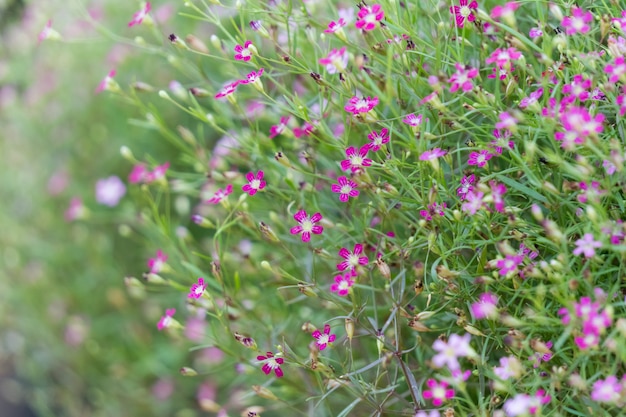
(586, 245)
(577, 89)
(306, 130)
(355, 160)
(335, 61)
(497, 195)
(166, 320)
(466, 186)
(532, 99)
(433, 209)
(501, 141)
(510, 367)
(76, 210)
(48, 33)
(323, 339)
(279, 128)
(107, 83)
(607, 390)
(507, 121)
(479, 158)
(140, 15)
(538, 357)
(271, 363)
(617, 70)
(368, 16)
(503, 57)
(343, 283)
(438, 392)
(449, 352)
(255, 183)
(138, 174)
(412, 120)
(590, 192)
(197, 289)
(524, 404)
(578, 22)
(473, 202)
(227, 90)
(509, 264)
(220, 195)
(432, 154)
(252, 77)
(464, 12)
(358, 105)
(158, 173)
(508, 10)
(486, 307)
(307, 225)
(352, 259)
(346, 189)
(156, 264)
(243, 53)
(334, 27)
(109, 191)
(462, 78)
(535, 33)
(378, 139)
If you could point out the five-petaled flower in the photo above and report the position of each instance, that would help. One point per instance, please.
(578, 22)
(220, 195)
(462, 78)
(356, 160)
(368, 16)
(463, 12)
(352, 259)
(438, 392)
(432, 154)
(197, 289)
(346, 189)
(479, 158)
(358, 105)
(378, 139)
(107, 83)
(307, 225)
(343, 283)
(278, 129)
(271, 363)
(142, 14)
(166, 320)
(244, 53)
(323, 339)
(587, 246)
(157, 263)
(255, 183)
(336, 60)
(227, 90)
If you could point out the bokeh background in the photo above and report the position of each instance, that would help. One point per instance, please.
(73, 340)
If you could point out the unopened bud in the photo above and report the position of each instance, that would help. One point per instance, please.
(264, 393)
(199, 92)
(536, 212)
(127, 154)
(216, 42)
(202, 221)
(418, 287)
(196, 44)
(245, 341)
(473, 330)
(268, 233)
(177, 42)
(151, 278)
(186, 371)
(349, 328)
(306, 289)
(282, 159)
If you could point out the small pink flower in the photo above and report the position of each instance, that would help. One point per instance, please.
(323, 339)
(48, 33)
(197, 289)
(166, 320)
(486, 307)
(158, 173)
(352, 259)
(462, 78)
(345, 188)
(368, 16)
(509, 264)
(503, 57)
(501, 141)
(278, 129)
(466, 186)
(378, 139)
(433, 209)
(227, 90)
(334, 27)
(532, 99)
(140, 15)
(617, 70)
(107, 82)
(497, 195)
(538, 357)
(307, 225)
(524, 404)
(535, 33)
(464, 12)
(449, 352)
(473, 202)
(271, 363)
(587, 246)
(220, 195)
(438, 392)
(138, 174)
(358, 105)
(305, 130)
(252, 77)
(157, 263)
(577, 89)
(109, 191)
(356, 161)
(343, 283)
(508, 10)
(578, 22)
(243, 53)
(412, 120)
(607, 390)
(479, 158)
(432, 154)
(336, 60)
(255, 183)
(507, 121)
(76, 210)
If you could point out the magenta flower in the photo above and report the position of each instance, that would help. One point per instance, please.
(107, 83)
(479, 158)
(497, 195)
(438, 392)
(109, 191)
(617, 70)
(278, 129)
(157, 263)
(412, 120)
(462, 78)
(433, 209)
(306, 225)
(243, 53)
(368, 16)
(138, 174)
(352, 259)
(76, 210)
(449, 352)
(539, 357)
(535, 33)
(48, 33)
(432, 154)
(345, 188)
(466, 186)
(323, 339)
(343, 283)
(358, 105)
(355, 160)
(305, 130)
(532, 99)
(227, 90)
(157, 173)
(509, 264)
(507, 121)
(378, 139)
(524, 404)
(510, 367)
(166, 320)
(587, 246)
(506, 11)
(577, 89)
(501, 141)
(255, 183)
(473, 202)
(140, 15)
(336, 60)
(607, 390)
(486, 307)
(271, 363)
(578, 22)
(197, 289)
(590, 192)
(464, 12)
(503, 57)
(220, 195)
(252, 77)
(334, 27)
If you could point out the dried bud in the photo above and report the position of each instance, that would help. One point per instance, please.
(268, 233)
(383, 268)
(539, 346)
(444, 273)
(417, 325)
(349, 328)
(264, 392)
(306, 289)
(245, 340)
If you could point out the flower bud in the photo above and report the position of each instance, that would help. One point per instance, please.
(383, 268)
(245, 341)
(264, 393)
(417, 325)
(268, 233)
(216, 42)
(186, 371)
(151, 278)
(177, 42)
(306, 289)
(350, 328)
(196, 44)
